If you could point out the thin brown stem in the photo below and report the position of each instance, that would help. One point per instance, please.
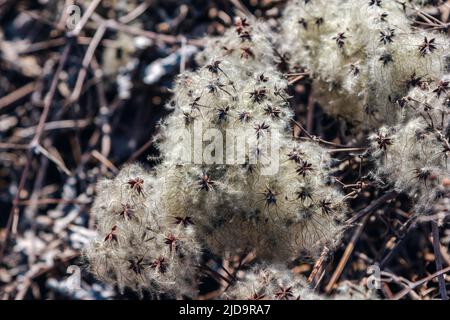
(438, 259)
(346, 256)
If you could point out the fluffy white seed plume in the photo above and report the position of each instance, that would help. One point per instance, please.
(413, 155)
(137, 248)
(276, 282)
(235, 207)
(273, 282)
(362, 54)
(279, 214)
(373, 68)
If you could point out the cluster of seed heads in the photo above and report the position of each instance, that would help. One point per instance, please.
(413, 154)
(362, 55)
(152, 224)
(369, 66)
(137, 247)
(277, 215)
(373, 68)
